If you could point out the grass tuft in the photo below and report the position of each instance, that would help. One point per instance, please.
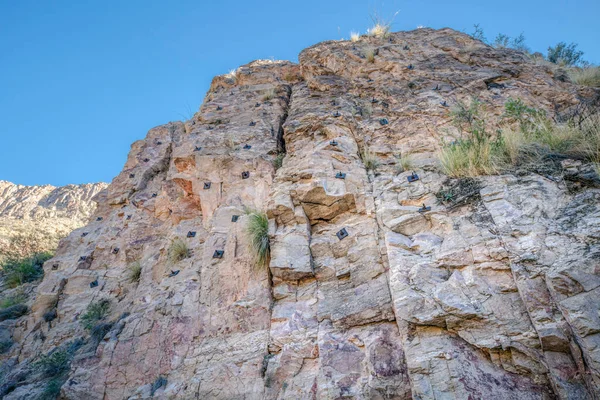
(369, 54)
(95, 313)
(354, 36)
(369, 159)
(404, 163)
(381, 28)
(258, 232)
(134, 272)
(269, 94)
(178, 250)
(589, 76)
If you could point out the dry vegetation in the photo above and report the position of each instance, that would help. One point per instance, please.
(528, 140)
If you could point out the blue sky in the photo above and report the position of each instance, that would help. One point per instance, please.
(81, 80)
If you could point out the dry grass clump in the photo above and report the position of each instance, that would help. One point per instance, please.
(369, 159)
(529, 140)
(381, 28)
(232, 75)
(269, 94)
(404, 163)
(589, 76)
(134, 272)
(178, 250)
(354, 36)
(369, 54)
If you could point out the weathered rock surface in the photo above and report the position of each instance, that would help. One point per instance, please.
(35, 218)
(497, 297)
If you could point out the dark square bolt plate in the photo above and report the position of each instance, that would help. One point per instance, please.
(99, 219)
(424, 209)
(218, 253)
(132, 176)
(343, 233)
(413, 178)
(115, 250)
(247, 147)
(333, 143)
(94, 283)
(173, 273)
(383, 121)
(82, 258)
(340, 175)
(84, 234)
(197, 148)
(206, 185)
(234, 218)
(245, 175)
(191, 234)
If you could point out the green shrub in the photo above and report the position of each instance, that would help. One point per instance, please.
(566, 54)
(178, 250)
(52, 389)
(13, 312)
(278, 161)
(54, 363)
(94, 313)
(134, 272)
(9, 301)
(19, 271)
(518, 111)
(258, 231)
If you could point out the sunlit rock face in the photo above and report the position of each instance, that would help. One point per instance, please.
(35, 218)
(366, 294)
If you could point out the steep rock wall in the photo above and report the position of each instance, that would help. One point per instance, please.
(496, 296)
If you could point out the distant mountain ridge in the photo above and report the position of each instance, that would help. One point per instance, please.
(34, 218)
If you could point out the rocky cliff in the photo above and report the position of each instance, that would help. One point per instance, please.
(35, 218)
(492, 292)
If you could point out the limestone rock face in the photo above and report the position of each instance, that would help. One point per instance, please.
(365, 295)
(35, 218)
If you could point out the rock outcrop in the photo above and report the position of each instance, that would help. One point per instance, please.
(366, 295)
(35, 218)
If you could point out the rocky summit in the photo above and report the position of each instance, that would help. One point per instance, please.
(378, 284)
(35, 218)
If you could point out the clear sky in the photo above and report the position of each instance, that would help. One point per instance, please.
(81, 80)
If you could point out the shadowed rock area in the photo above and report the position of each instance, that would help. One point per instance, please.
(493, 297)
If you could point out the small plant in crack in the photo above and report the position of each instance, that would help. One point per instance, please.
(95, 313)
(134, 272)
(178, 250)
(258, 232)
(369, 159)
